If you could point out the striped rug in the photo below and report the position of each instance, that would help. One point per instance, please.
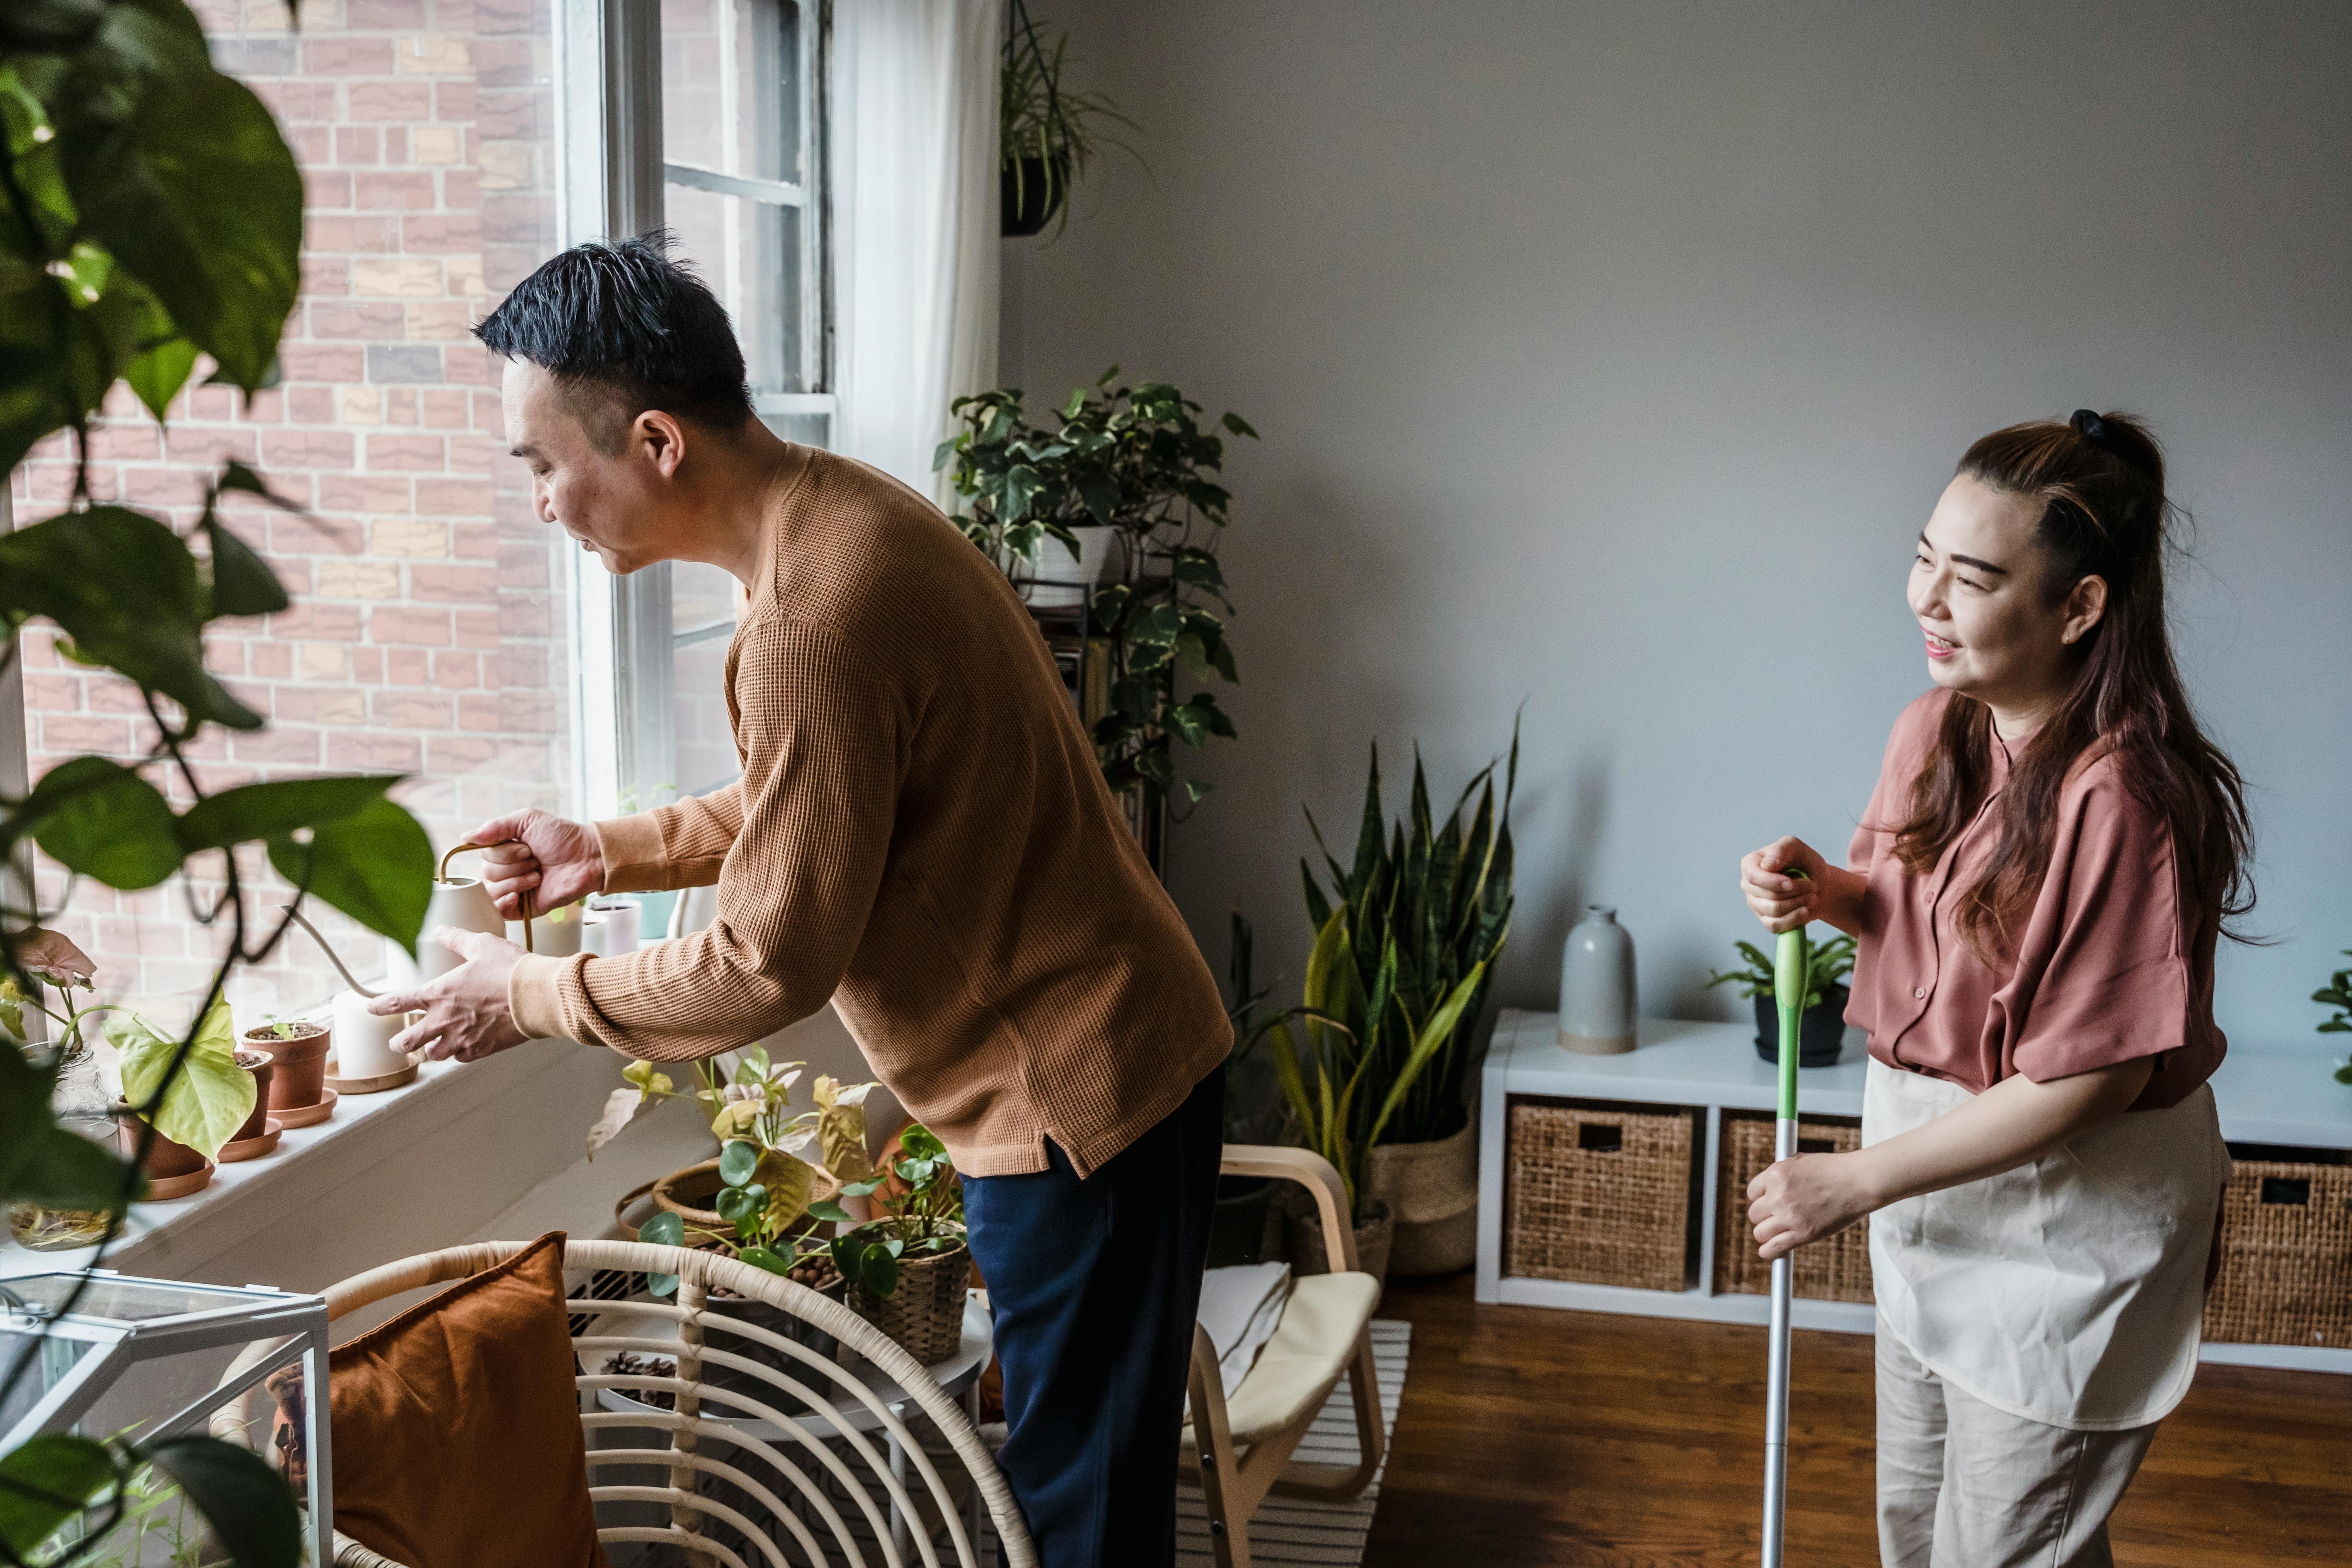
(1297, 1529)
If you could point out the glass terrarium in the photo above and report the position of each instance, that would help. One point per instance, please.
(92, 1335)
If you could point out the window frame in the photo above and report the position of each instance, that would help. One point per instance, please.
(609, 129)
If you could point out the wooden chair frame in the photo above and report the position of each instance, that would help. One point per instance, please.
(686, 1426)
(1234, 1485)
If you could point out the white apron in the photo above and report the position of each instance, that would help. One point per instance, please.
(2069, 1290)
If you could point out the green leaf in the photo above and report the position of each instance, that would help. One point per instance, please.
(738, 1161)
(124, 587)
(1238, 426)
(878, 1270)
(104, 821)
(774, 1262)
(247, 1502)
(664, 1229)
(197, 192)
(249, 813)
(158, 373)
(860, 1189)
(734, 1204)
(375, 865)
(2344, 1073)
(195, 1094)
(827, 1209)
(47, 1481)
(243, 583)
(66, 1171)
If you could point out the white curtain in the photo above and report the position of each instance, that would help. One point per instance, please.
(916, 222)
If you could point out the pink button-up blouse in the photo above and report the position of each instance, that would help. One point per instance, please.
(2109, 965)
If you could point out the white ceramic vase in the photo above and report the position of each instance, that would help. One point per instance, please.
(1597, 1002)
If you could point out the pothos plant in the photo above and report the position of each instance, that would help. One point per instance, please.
(199, 1096)
(1135, 459)
(151, 224)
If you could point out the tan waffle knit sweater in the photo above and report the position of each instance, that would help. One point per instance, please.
(921, 836)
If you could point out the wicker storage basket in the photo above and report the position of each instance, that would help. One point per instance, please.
(1599, 1192)
(925, 1314)
(2286, 1256)
(1837, 1269)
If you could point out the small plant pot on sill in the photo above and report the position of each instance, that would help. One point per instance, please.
(1821, 1034)
(299, 1082)
(1375, 1234)
(174, 1170)
(258, 1136)
(924, 1317)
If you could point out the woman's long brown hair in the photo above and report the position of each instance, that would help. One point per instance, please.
(2104, 514)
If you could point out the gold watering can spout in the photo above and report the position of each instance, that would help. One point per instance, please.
(460, 902)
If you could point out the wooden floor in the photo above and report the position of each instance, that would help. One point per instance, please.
(1536, 1436)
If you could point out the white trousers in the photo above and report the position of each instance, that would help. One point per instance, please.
(1963, 1485)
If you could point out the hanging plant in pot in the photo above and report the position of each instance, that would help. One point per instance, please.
(1048, 135)
(1412, 926)
(1821, 1038)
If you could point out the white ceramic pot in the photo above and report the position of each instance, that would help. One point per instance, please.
(1055, 582)
(364, 1041)
(1597, 1002)
(610, 929)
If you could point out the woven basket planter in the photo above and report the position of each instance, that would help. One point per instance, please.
(925, 1315)
(1303, 1233)
(2286, 1256)
(1431, 1189)
(1836, 1270)
(1599, 1192)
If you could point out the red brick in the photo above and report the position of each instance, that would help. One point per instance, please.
(271, 660)
(314, 534)
(111, 694)
(359, 144)
(456, 671)
(367, 324)
(326, 275)
(456, 103)
(363, 235)
(459, 234)
(450, 498)
(480, 714)
(462, 189)
(160, 487)
(461, 755)
(395, 145)
(448, 408)
(390, 191)
(453, 585)
(329, 706)
(405, 16)
(408, 666)
(532, 712)
(367, 664)
(399, 101)
(414, 454)
(317, 623)
(504, 62)
(347, 57)
(322, 362)
(363, 492)
(267, 408)
(371, 752)
(125, 441)
(474, 541)
(523, 565)
(393, 624)
(506, 16)
(478, 629)
(399, 709)
(507, 115)
(327, 188)
(214, 403)
(309, 406)
(295, 448)
(520, 664)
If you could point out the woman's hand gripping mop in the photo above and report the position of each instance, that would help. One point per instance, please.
(1788, 995)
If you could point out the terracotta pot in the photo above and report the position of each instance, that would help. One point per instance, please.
(262, 1068)
(924, 1316)
(301, 1080)
(165, 1159)
(1433, 1190)
(1373, 1235)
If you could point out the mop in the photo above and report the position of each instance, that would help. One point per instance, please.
(1788, 992)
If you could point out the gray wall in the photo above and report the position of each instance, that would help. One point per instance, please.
(1608, 358)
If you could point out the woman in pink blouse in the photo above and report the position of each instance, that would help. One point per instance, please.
(2049, 855)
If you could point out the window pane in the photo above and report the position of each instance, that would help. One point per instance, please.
(704, 603)
(427, 633)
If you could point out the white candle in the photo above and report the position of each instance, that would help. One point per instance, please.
(364, 1041)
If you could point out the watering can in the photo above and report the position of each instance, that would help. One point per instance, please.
(460, 902)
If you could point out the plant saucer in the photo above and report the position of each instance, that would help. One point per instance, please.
(307, 1115)
(164, 1189)
(337, 1083)
(254, 1147)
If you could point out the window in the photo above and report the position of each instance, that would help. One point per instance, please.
(428, 633)
(739, 138)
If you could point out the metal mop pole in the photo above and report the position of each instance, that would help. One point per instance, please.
(1788, 992)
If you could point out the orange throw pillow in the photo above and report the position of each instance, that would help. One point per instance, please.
(457, 1427)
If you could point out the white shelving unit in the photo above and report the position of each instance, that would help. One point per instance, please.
(2274, 1097)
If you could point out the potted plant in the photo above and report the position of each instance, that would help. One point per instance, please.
(2337, 994)
(1048, 135)
(299, 1047)
(1821, 1036)
(1134, 461)
(78, 1096)
(907, 1270)
(1422, 913)
(193, 1111)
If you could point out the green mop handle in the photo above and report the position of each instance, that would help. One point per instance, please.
(1788, 996)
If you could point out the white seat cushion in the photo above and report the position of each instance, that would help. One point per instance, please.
(1295, 1372)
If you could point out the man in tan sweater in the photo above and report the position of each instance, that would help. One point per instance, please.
(921, 836)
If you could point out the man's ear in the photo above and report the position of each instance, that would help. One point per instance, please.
(662, 438)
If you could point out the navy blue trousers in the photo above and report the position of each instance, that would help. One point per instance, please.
(1094, 1285)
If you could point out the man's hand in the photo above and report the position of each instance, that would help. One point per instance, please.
(466, 1013)
(1806, 1197)
(536, 852)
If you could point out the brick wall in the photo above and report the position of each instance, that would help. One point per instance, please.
(428, 632)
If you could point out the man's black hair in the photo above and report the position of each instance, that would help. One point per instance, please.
(623, 327)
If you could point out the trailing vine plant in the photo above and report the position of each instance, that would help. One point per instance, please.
(150, 221)
(1135, 459)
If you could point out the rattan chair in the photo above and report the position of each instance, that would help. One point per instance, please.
(1324, 1332)
(859, 1502)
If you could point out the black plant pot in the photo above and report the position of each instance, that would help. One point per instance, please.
(1237, 1233)
(1821, 1036)
(1030, 199)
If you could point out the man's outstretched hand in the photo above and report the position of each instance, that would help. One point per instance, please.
(467, 1017)
(536, 852)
